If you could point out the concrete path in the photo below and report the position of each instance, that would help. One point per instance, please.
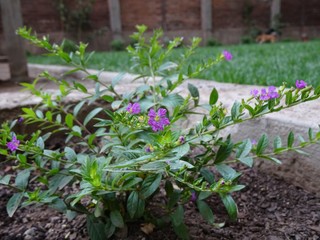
(301, 170)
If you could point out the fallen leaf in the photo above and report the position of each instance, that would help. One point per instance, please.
(147, 228)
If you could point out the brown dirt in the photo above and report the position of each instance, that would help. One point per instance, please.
(269, 208)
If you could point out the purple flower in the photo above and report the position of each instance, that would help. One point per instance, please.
(20, 119)
(227, 55)
(272, 92)
(14, 144)
(182, 140)
(301, 84)
(193, 197)
(157, 120)
(149, 148)
(264, 95)
(253, 141)
(254, 92)
(133, 108)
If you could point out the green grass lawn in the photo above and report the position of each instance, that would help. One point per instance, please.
(266, 64)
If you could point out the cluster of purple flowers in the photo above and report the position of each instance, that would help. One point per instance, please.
(133, 108)
(265, 94)
(157, 120)
(13, 144)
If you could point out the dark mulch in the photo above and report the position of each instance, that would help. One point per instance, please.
(269, 208)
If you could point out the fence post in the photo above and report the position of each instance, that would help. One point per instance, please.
(275, 14)
(115, 18)
(11, 21)
(206, 19)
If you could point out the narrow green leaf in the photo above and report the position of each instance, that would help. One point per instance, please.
(205, 211)
(150, 185)
(132, 203)
(230, 205)
(177, 216)
(181, 231)
(213, 96)
(262, 144)
(235, 110)
(77, 108)
(290, 139)
(117, 79)
(13, 203)
(244, 149)
(91, 115)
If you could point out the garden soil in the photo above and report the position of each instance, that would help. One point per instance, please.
(269, 208)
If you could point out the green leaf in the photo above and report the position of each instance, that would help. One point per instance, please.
(116, 218)
(150, 185)
(181, 150)
(96, 229)
(40, 143)
(5, 180)
(273, 159)
(277, 142)
(227, 172)
(235, 110)
(262, 144)
(172, 101)
(193, 90)
(230, 205)
(70, 154)
(91, 115)
(177, 216)
(117, 79)
(80, 87)
(22, 179)
(246, 160)
(288, 98)
(108, 98)
(224, 152)
(13, 203)
(244, 149)
(69, 120)
(208, 175)
(132, 203)
(77, 108)
(204, 195)
(205, 211)
(213, 96)
(181, 231)
(290, 139)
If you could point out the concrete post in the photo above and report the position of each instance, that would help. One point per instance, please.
(115, 18)
(11, 21)
(206, 19)
(275, 13)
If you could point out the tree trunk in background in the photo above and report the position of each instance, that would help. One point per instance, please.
(11, 21)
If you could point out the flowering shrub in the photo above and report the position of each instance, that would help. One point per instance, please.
(133, 149)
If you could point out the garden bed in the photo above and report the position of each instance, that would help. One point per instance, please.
(269, 208)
